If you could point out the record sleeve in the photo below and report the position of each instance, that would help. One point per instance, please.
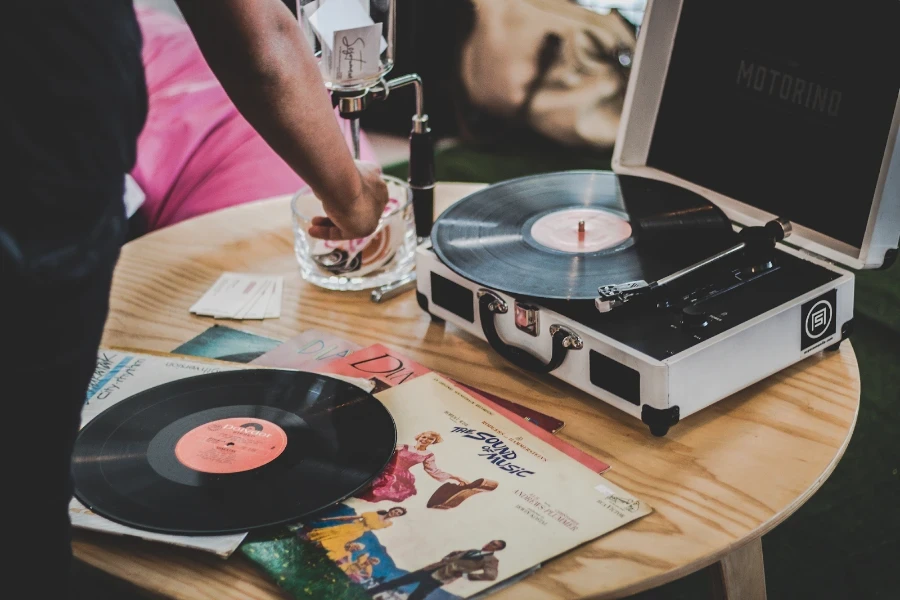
(389, 368)
(121, 374)
(468, 489)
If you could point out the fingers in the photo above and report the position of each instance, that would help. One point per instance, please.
(322, 222)
(323, 228)
(328, 232)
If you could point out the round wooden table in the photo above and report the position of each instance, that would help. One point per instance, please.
(718, 481)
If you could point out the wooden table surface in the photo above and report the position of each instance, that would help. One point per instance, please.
(719, 480)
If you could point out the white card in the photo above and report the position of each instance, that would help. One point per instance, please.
(273, 310)
(225, 293)
(355, 54)
(332, 16)
(249, 309)
(207, 298)
(257, 310)
(241, 296)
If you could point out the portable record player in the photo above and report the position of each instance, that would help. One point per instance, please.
(706, 260)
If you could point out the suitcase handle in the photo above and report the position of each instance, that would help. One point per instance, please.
(490, 304)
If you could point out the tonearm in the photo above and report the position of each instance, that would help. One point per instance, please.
(757, 242)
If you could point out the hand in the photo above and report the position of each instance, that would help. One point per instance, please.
(359, 217)
(460, 481)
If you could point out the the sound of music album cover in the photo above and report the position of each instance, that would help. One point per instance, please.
(470, 499)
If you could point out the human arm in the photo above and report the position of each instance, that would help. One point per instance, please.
(488, 571)
(432, 469)
(342, 519)
(448, 558)
(375, 520)
(258, 53)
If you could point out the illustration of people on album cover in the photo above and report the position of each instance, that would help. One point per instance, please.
(397, 482)
(359, 567)
(350, 548)
(475, 565)
(333, 534)
(422, 536)
(365, 561)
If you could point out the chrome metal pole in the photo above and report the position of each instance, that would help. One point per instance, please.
(354, 137)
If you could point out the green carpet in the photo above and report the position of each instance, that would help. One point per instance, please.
(845, 541)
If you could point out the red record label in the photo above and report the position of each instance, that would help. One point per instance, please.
(580, 230)
(231, 445)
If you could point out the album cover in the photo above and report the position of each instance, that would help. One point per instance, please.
(312, 349)
(546, 422)
(386, 368)
(228, 344)
(457, 510)
(306, 350)
(122, 374)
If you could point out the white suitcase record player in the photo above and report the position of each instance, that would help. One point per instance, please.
(706, 260)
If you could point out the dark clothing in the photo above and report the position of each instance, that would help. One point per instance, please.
(51, 335)
(74, 101)
(477, 565)
(72, 106)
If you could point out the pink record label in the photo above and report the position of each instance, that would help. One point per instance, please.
(580, 230)
(231, 445)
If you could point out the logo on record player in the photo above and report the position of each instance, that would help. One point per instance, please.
(818, 319)
(785, 86)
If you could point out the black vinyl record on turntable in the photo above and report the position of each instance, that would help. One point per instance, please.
(561, 236)
(231, 451)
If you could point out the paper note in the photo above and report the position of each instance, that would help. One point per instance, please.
(355, 54)
(273, 310)
(242, 296)
(332, 16)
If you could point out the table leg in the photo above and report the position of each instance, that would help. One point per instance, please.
(740, 575)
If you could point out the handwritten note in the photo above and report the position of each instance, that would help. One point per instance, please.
(350, 37)
(356, 52)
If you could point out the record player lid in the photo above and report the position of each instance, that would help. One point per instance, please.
(778, 120)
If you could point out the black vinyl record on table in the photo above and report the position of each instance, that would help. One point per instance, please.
(231, 451)
(489, 237)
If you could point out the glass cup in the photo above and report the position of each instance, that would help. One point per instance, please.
(381, 258)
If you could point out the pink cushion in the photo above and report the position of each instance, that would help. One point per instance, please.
(196, 153)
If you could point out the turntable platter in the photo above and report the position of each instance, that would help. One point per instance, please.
(562, 235)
